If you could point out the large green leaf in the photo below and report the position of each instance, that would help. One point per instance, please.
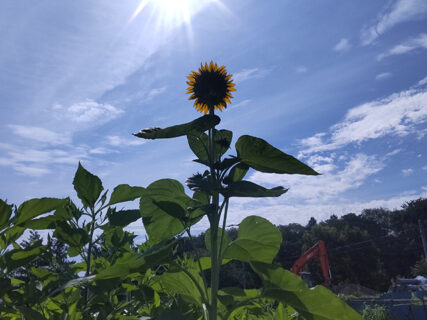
(42, 223)
(5, 213)
(76, 238)
(12, 234)
(199, 144)
(125, 192)
(123, 217)
(173, 209)
(261, 156)
(250, 189)
(158, 223)
(87, 186)
(181, 283)
(200, 124)
(257, 240)
(35, 207)
(313, 304)
(131, 262)
(20, 257)
(237, 173)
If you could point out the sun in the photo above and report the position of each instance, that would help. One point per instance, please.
(168, 13)
(173, 6)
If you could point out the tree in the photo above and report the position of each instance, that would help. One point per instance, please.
(53, 258)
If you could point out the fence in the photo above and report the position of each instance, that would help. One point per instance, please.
(400, 305)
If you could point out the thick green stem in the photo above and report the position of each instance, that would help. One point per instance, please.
(89, 252)
(224, 220)
(215, 266)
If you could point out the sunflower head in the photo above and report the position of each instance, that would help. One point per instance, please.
(210, 87)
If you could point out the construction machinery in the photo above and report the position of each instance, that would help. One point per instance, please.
(316, 251)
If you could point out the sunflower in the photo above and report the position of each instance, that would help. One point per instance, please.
(210, 87)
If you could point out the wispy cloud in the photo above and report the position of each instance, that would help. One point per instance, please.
(330, 184)
(407, 46)
(40, 134)
(247, 74)
(407, 172)
(342, 45)
(422, 82)
(37, 162)
(301, 69)
(118, 141)
(31, 171)
(394, 115)
(155, 92)
(90, 111)
(101, 150)
(383, 75)
(241, 103)
(283, 212)
(401, 11)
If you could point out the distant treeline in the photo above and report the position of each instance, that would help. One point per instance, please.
(371, 249)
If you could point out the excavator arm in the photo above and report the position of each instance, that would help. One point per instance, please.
(316, 251)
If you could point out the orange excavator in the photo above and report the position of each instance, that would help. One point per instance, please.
(316, 251)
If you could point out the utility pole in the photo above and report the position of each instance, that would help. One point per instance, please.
(423, 237)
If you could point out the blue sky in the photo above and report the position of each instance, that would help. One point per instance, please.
(340, 84)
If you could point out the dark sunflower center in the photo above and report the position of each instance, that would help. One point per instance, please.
(210, 87)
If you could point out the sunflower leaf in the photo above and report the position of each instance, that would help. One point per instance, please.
(250, 189)
(286, 287)
(262, 156)
(158, 223)
(199, 144)
(201, 124)
(257, 240)
(237, 173)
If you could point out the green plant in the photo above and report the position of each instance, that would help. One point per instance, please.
(375, 312)
(420, 268)
(116, 279)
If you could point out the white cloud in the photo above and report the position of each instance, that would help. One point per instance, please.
(247, 74)
(331, 184)
(282, 212)
(155, 92)
(425, 168)
(40, 134)
(241, 103)
(401, 11)
(38, 162)
(407, 172)
(118, 141)
(101, 150)
(342, 45)
(383, 75)
(301, 69)
(392, 153)
(31, 171)
(394, 115)
(91, 111)
(409, 45)
(422, 81)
